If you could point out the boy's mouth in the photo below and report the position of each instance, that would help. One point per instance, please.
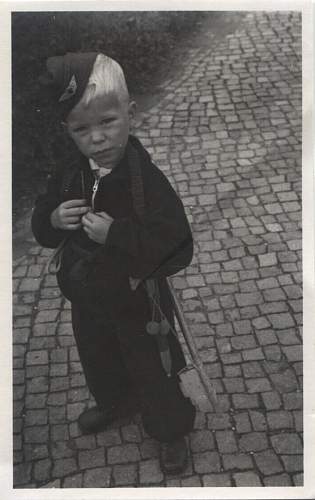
(101, 154)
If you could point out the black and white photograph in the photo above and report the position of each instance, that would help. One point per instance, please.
(157, 278)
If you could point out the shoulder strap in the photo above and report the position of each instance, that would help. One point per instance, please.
(136, 181)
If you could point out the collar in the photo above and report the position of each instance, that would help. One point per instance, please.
(97, 170)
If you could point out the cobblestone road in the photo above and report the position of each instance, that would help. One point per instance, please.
(228, 135)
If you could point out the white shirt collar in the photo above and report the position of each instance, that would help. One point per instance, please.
(97, 170)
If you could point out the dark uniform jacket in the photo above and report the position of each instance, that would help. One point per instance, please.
(155, 245)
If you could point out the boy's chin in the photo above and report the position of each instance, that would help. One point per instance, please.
(109, 161)
(109, 165)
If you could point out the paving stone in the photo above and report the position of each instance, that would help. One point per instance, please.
(36, 417)
(192, 481)
(224, 330)
(20, 272)
(62, 449)
(46, 316)
(44, 329)
(21, 474)
(234, 385)
(232, 371)
(36, 372)
(36, 435)
(97, 478)
(293, 353)
(248, 299)
(59, 432)
(17, 443)
(29, 284)
(125, 475)
(19, 351)
(253, 441)
(150, 472)
(292, 463)
(200, 421)
(173, 483)
(122, 454)
(258, 420)
(258, 385)
(42, 469)
(218, 421)
(279, 420)
(267, 283)
(37, 358)
(201, 441)
(253, 354)
(243, 327)
(73, 409)
(278, 480)
(272, 353)
(285, 381)
(268, 463)
(57, 399)
(109, 437)
(64, 467)
(281, 320)
(245, 401)
(238, 461)
(21, 335)
(273, 294)
(246, 479)
(298, 420)
(58, 370)
(293, 400)
(75, 481)
(252, 369)
(22, 310)
(287, 444)
(208, 461)
(271, 400)
(17, 457)
(226, 441)
(242, 422)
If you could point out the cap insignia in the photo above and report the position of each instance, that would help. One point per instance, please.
(70, 90)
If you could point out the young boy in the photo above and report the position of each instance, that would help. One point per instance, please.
(109, 251)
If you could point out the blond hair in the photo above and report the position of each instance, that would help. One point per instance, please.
(107, 77)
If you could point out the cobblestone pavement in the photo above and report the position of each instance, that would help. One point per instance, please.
(228, 135)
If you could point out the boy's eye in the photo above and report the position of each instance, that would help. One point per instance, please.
(79, 130)
(108, 120)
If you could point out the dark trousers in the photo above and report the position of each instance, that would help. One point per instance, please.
(124, 359)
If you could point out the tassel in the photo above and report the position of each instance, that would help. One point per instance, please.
(166, 362)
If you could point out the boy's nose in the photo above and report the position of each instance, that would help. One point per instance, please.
(97, 136)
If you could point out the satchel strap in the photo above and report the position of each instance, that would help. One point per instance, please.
(136, 181)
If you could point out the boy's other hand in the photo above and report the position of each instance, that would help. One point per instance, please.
(97, 225)
(68, 215)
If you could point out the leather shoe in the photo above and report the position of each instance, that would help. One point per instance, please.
(95, 420)
(173, 456)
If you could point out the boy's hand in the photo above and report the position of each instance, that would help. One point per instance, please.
(68, 215)
(96, 226)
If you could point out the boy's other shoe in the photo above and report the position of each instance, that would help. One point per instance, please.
(95, 420)
(173, 456)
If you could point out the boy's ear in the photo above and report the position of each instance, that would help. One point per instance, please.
(132, 109)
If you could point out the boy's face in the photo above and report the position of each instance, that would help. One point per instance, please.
(100, 130)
